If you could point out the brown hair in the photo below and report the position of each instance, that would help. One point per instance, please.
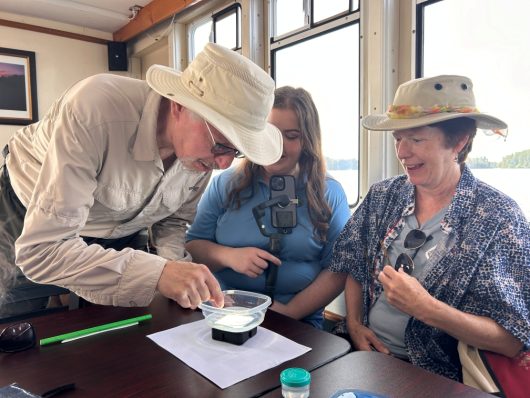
(311, 163)
(455, 130)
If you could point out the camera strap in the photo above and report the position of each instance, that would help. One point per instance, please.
(270, 281)
(272, 269)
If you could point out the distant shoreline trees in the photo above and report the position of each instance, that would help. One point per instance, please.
(481, 163)
(342, 164)
(517, 160)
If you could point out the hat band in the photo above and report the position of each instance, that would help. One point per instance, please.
(416, 111)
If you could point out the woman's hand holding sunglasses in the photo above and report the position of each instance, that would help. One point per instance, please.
(405, 292)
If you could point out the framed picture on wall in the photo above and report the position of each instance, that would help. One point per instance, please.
(18, 87)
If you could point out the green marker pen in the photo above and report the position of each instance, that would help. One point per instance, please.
(63, 338)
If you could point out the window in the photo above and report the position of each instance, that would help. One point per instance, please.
(288, 16)
(223, 27)
(325, 9)
(326, 64)
(199, 36)
(492, 49)
(227, 27)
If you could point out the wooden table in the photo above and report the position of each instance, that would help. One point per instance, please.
(384, 375)
(125, 363)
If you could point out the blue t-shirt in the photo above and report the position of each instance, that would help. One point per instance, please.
(303, 256)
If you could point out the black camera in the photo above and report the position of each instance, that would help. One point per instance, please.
(284, 213)
(278, 183)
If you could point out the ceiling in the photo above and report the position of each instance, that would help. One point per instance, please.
(103, 15)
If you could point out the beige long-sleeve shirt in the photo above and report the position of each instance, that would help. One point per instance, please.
(91, 167)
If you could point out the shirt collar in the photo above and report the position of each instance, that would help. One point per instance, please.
(410, 199)
(461, 204)
(463, 201)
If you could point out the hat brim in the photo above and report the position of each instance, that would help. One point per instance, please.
(383, 123)
(263, 147)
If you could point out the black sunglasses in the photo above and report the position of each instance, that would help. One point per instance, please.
(17, 337)
(415, 239)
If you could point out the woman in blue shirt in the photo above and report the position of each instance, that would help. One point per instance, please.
(225, 235)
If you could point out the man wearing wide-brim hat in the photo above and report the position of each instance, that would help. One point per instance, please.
(114, 156)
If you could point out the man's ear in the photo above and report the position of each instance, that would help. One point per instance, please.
(175, 109)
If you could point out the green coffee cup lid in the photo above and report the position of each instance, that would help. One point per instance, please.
(295, 377)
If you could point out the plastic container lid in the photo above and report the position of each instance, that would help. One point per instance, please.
(295, 377)
(354, 393)
(242, 311)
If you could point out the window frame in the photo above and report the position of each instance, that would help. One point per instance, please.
(304, 35)
(216, 14)
(349, 11)
(225, 13)
(309, 19)
(420, 18)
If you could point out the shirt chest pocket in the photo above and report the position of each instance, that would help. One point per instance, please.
(172, 200)
(116, 204)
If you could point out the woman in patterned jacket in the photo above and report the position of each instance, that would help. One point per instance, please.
(436, 256)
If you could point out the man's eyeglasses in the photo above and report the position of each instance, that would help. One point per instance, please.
(220, 149)
(415, 239)
(17, 337)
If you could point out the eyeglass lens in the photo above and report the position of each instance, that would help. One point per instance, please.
(17, 337)
(404, 261)
(415, 239)
(220, 149)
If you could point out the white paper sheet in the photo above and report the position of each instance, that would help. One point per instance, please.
(223, 363)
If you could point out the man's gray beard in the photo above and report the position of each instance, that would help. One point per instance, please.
(188, 164)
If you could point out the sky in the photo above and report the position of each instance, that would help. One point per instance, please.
(488, 41)
(7, 69)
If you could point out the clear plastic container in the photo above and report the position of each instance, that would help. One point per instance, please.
(295, 383)
(242, 311)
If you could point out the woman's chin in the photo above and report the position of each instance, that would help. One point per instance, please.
(281, 168)
(273, 170)
(414, 179)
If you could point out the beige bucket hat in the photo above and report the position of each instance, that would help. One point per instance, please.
(231, 93)
(421, 102)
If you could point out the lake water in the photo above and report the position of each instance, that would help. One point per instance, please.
(513, 182)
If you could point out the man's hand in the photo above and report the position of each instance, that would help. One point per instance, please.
(250, 261)
(189, 284)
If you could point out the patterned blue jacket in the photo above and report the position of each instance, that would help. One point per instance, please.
(481, 265)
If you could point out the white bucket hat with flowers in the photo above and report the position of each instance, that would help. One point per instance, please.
(231, 93)
(422, 102)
